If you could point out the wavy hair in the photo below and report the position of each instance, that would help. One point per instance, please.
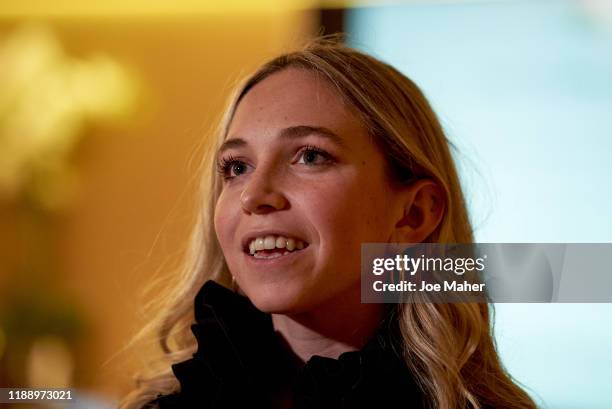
(449, 347)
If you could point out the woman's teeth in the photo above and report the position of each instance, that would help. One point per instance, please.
(274, 242)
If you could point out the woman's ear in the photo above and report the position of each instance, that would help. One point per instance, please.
(424, 205)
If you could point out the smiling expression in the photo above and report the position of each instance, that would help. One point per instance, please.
(303, 186)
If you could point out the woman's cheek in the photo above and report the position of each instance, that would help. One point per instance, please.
(224, 222)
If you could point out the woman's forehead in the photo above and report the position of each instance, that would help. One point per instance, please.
(292, 97)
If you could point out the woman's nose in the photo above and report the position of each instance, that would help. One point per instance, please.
(262, 193)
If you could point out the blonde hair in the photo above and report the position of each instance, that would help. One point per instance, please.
(449, 347)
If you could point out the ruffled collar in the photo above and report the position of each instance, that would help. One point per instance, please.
(240, 362)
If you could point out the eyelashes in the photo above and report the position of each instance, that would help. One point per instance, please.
(225, 164)
(229, 167)
(311, 149)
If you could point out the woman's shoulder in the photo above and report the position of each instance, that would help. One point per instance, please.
(168, 401)
(240, 362)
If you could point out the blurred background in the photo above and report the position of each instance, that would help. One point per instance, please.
(103, 109)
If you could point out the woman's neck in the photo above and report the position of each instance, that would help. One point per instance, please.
(341, 325)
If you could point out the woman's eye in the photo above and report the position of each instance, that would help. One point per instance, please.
(229, 168)
(237, 168)
(313, 156)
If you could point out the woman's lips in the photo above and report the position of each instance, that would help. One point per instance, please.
(275, 256)
(271, 242)
(272, 254)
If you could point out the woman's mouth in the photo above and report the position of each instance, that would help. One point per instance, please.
(274, 246)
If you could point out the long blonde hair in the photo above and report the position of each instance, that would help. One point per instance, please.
(449, 347)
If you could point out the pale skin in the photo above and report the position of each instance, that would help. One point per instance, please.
(299, 162)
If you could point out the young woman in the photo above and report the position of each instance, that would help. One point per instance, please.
(321, 150)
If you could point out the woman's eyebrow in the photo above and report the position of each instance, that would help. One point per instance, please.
(292, 132)
(300, 131)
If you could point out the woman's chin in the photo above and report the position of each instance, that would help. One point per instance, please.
(280, 299)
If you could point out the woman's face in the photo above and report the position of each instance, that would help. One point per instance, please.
(304, 186)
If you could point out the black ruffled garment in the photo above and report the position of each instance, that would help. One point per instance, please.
(241, 363)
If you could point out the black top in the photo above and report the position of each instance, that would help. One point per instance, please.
(241, 363)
